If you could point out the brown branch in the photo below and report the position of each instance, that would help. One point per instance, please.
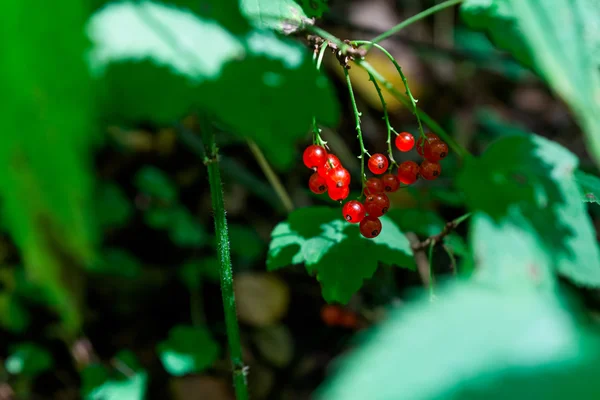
(421, 258)
(448, 228)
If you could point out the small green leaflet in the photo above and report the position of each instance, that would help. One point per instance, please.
(188, 350)
(473, 343)
(28, 359)
(589, 185)
(332, 248)
(285, 16)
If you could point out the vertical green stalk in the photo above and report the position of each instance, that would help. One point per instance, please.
(224, 256)
(387, 121)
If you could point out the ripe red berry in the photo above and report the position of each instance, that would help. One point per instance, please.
(370, 226)
(330, 163)
(314, 156)
(435, 151)
(390, 182)
(430, 170)
(348, 320)
(378, 163)
(317, 184)
(373, 185)
(408, 172)
(404, 141)
(332, 314)
(354, 211)
(431, 137)
(338, 176)
(377, 204)
(338, 193)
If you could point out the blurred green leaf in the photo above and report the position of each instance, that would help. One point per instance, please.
(473, 343)
(118, 262)
(590, 186)
(285, 16)
(188, 350)
(156, 183)
(45, 182)
(28, 359)
(536, 177)
(276, 344)
(128, 359)
(421, 222)
(181, 62)
(13, 315)
(335, 250)
(245, 243)
(184, 229)
(193, 271)
(92, 377)
(113, 208)
(132, 388)
(567, 59)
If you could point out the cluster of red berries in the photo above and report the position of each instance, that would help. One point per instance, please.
(332, 177)
(334, 315)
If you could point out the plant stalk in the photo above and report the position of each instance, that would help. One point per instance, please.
(225, 269)
(357, 114)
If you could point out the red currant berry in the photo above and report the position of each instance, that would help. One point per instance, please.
(377, 204)
(314, 156)
(349, 320)
(354, 211)
(370, 227)
(390, 182)
(436, 151)
(431, 137)
(378, 163)
(408, 172)
(317, 184)
(339, 176)
(330, 163)
(332, 314)
(404, 141)
(338, 193)
(373, 185)
(430, 170)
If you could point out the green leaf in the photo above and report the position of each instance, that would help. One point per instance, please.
(113, 208)
(422, 222)
(92, 377)
(473, 343)
(245, 243)
(28, 359)
(590, 186)
(132, 388)
(155, 62)
(154, 182)
(45, 182)
(536, 177)
(13, 315)
(285, 16)
(184, 229)
(334, 249)
(193, 271)
(568, 59)
(188, 350)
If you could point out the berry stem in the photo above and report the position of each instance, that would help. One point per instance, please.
(412, 20)
(225, 269)
(316, 130)
(357, 114)
(387, 121)
(408, 93)
(434, 126)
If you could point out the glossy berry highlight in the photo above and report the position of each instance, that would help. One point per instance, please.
(373, 185)
(338, 193)
(430, 170)
(408, 172)
(378, 163)
(370, 227)
(338, 177)
(354, 211)
(330, 163)
(314, 156)
(317, 184)
(377, 204)
(404, 141)
(390, 182)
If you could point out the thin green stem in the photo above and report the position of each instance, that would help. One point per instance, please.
(387, 121)
(408, 93)
(317, 139)
(452, 258)
(392, 31)
(357, 115)
(343, 47)
(434, 126)
(226, 272)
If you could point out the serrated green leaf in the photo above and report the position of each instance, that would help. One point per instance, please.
(28, 359)
(536, 176)
(285, 16)
(568, 59)
(188, 350)
(156, 183)
(45, 182)
(156, 62)
(334, 249)
(113, 209)
(590, 186)
(473, 343)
